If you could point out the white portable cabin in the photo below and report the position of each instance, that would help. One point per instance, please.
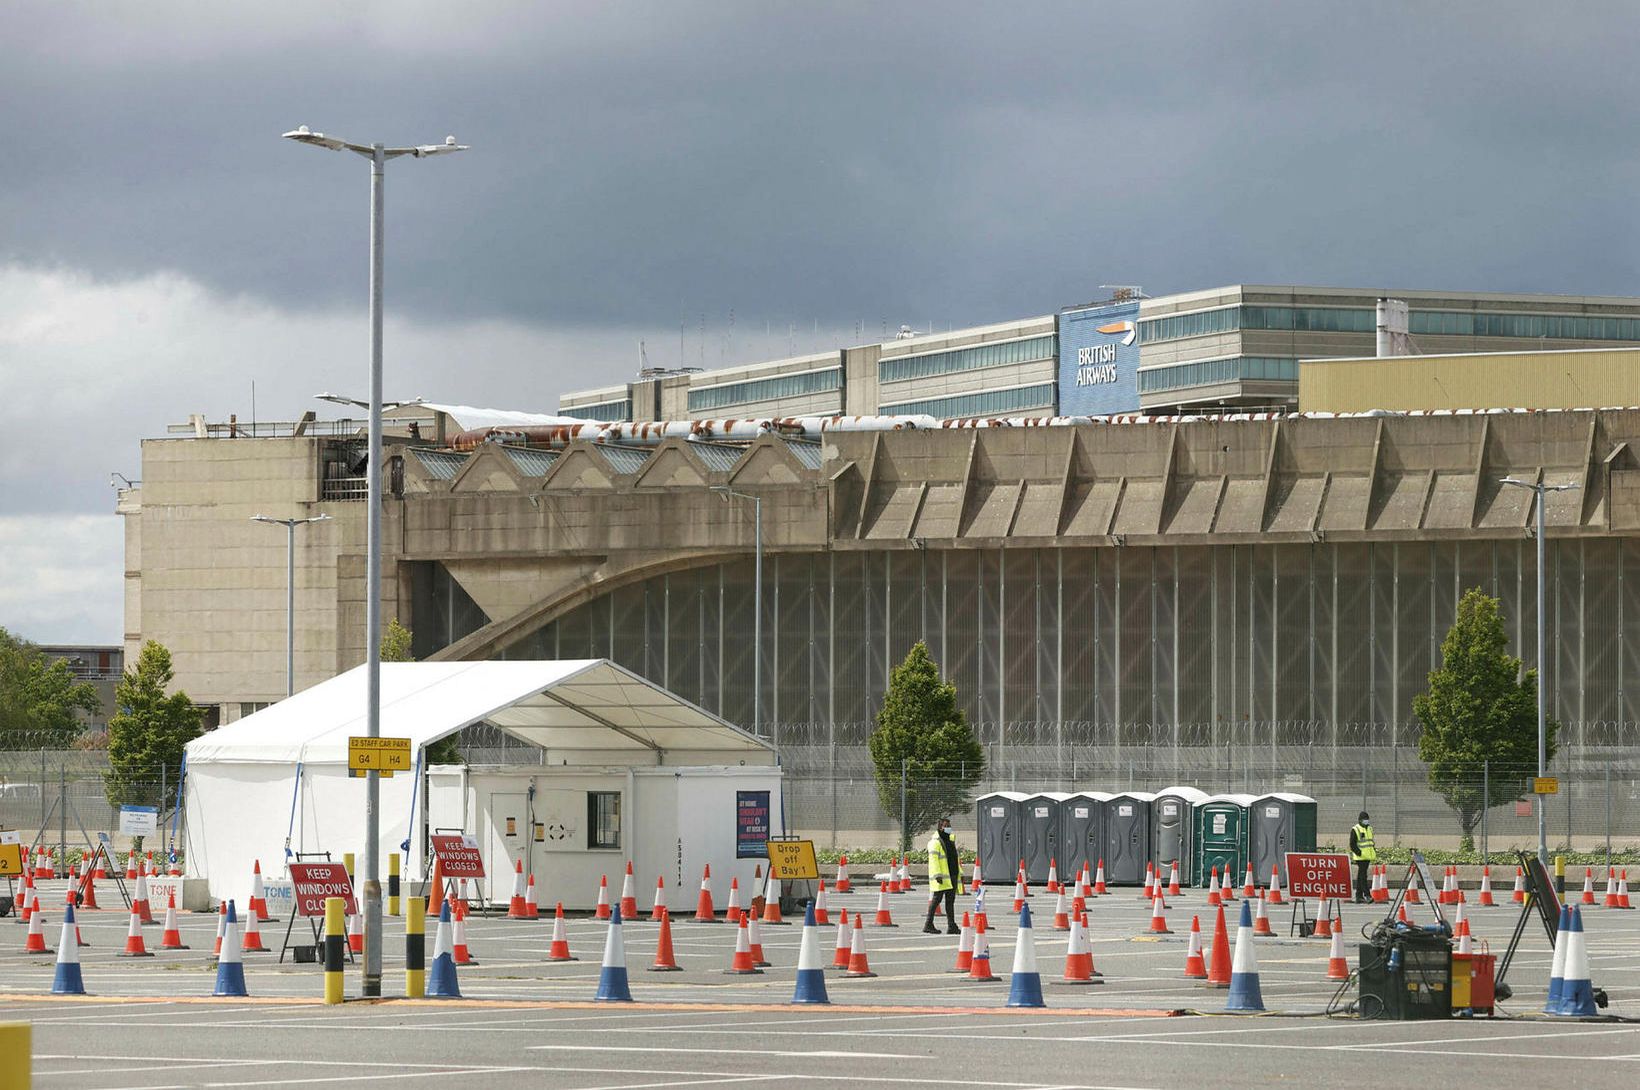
(617, 768)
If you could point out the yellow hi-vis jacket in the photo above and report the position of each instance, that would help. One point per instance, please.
(1363, 851)
(940, 877)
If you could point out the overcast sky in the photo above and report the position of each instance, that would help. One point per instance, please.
(784, 176)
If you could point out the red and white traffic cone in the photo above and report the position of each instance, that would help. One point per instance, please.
(1194, 967)
(771, 901)
(1380, 894)
(1261, 921)
(1099, 889)
(1218, 961)
(517, 906)
(1227, 891)
(1020, 892)
(979, 967)
(171, 939)
(35, 942)
(1519, 895)
(732, 913)
(1084, 882)
(1275, 886)
(1323, 922)
(1337, 967)
(1249, 887)
(134, 946)
(602, 911)
(884, 919)
(629, 895)
(1213, 896)
(1053, 875)
(1466, 941)
(665, 960)
(532, 901)
(459, 952)
(1078, 960)
(858, 964)
(1148, 892)
(221, 928)
(1623, 889)
(658, 909)
(965, 946)
(1485, 899)
(1158, 918)
(131, 866)
(1022, 880)
(1061, 920)
(258, 904)
(840, 951)
(559, 950)
(28, 896)
(1588, 886)
(704, 912)
(139, 900)
(842, 884)
(355, 930)
(251, 940)
(1173, 887)
(754, 935)
(1610, 900)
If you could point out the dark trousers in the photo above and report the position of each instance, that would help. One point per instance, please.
(949, 896)
(1363, 887)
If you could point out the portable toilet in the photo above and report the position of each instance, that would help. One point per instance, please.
(1278, 824)
(1081, 832)
(1173, 828)
(1127, 837)
(1221, 836)
(1039, 819)
(999, 835)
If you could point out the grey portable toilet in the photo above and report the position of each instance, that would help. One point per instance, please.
(1081, 832)
(1173, 828)
(1039, 817)
(1127, 837)
(999, 835)
(1277, 824)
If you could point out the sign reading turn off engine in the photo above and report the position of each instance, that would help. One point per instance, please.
(1318, 875)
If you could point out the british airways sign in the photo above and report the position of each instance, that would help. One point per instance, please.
(1099, 360)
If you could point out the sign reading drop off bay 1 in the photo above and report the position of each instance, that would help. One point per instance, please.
(384, 755)
(793, 860)
(1317, 875)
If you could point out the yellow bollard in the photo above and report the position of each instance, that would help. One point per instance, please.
(347, 862)
(1560, 872)
(392, 883)
(16, 1056)
(335, 943)
(415, 950)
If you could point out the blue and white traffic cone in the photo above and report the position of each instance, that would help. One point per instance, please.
(612, 978)
(1025, 987)
(1557, 970)
(68, 980)
(1576, 992)
(811, 972)
(441, 980)
(1244, 989)
(230, 966)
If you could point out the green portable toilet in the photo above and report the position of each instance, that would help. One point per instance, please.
(1221, 837)
(1278, 824)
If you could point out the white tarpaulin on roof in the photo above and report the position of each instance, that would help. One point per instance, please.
(245, 801)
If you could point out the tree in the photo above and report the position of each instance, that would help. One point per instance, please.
(921, 731)
(1481, 708)
(147, 733)
(39, 699)
(396, 643)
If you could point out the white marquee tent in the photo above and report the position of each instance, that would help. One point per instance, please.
(275, 783)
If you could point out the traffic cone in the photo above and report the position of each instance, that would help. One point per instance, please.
(754, 935)
(435, 890)
(1218, 961)
(462, 955)
(821, 916)
(883, 918)
(1485, 899)
(1588, 886)
(1158, 917)
(67, 979)
(1194, 967)
(1020, 891)
(665, 960)
(355, 929)
(1413, 897)
(602, 911)
(905, 874)
(221, 928)
(35, 943)
(1323, 922)
(742, 963)
(134, 946)
(1099, 880)
(1275, 886)
(1084, 883)
(658, 911)
(532, 902)
(441, 980)
(27, 897)
(965, 946)
(88, 900)
(858, 964)
(172, 938)
(1061, 921)
(68, 902)
(1457, 916)
(732, 913)
(1244, 986)
(1173, 887)
(1261, 921)
(516, 905)
(230, 968)
(131, 865)
(1053, 876)
(771, 901)
(842, 884)
(139, 900)
(612, 983)
(258, 904)
(251, 941)
(704, 912)
(1610, 900)
(1148, 892)
(1227, 891)
(1445, 896)
(1623, 889)
(1337, 967)
(1380, 895)
(559, 950)
(1576, 992)
(974, 879)
(100, 868)
(1213, 897)
(1025, 985)
(1466, 942)
(1401, 915)
(1078, 959)
(840, 950)
(979, 966)
(629, 895)
(1249, 887)
(811, 975)
(1519, 895)
(1557, 966)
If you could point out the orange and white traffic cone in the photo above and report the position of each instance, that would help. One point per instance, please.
(131, 866)
(1337, 967)
(28, 896)
(1148, 891)
(1053, 875)
(1401, 915)
(754, 935)
(704, 912)
(1022, 880)
(1084, 882)
(842, 884)
(35, 943)
(1413, 897)
(771, 901)
(68, 913)
(459, 952)
(1078, 960)
(559, 950)
(1323, 923)
(258, 904)
(904, 885)
(822, 917)
(1213, 896)
(1158, 918)
(965, 946)
(1218, 961)
(732, 913)
(884, 919)
(629, 895)
(1061, 920)
(251, 941)
(1227, 891)
(1623, 889)
(134, 946)
(171, 939)
(516, 905)
(221, 928)
(602, 911)
(532, 901)
(1588, 886)
(1020, 892)
(1261, 921)
(1610, 900)
(89, 900)
(1099, 889)
(355, 930)
(1485, 899)
(1173, 887)
(658, 910)
(1194, 967)
(139, 899)
(1249, 887)
(858, 964)
(1275, 886)
(979, 968)
(1380, 893)
(1519, 895)
(840, 952)
(665, 960)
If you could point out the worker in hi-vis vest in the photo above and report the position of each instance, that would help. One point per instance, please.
(1362, 851)
(944, 876)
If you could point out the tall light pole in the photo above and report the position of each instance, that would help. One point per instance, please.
(290, 526)
(1539, 488)
(378, 155)
(757, 598)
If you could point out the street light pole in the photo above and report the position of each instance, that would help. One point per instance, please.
(290, 526)
(1538, 488)
(371, 905)
(757, 598)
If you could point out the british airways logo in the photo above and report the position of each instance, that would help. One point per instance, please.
(1096, 363)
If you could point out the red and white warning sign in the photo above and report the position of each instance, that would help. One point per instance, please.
(312, 883)
(1318, 875)
(458, 855)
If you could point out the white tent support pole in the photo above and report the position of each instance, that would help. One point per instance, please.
(602, 722)
(410, 822)
(295, 794)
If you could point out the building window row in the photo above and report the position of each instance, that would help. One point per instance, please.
(1180, 376)
(984, 403)
(1569, 327)
(999, 354)
(1433, 323)
(1202, 323)
(766, 389)
(604, 410)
